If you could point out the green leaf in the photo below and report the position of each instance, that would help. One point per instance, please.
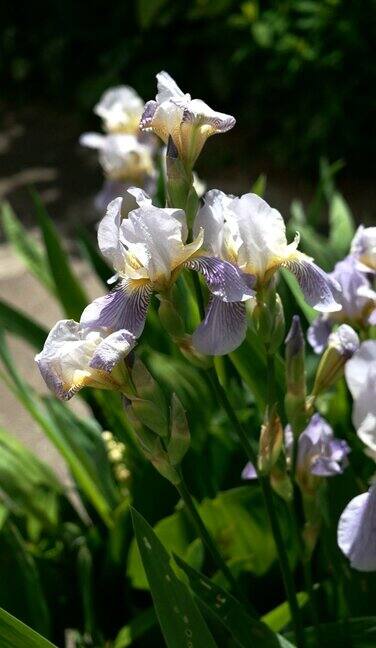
(280, 617)
(136, 628)
(177, 537)
(17, 323)
(62, 437)
(226, 609)
(25, 247)
(15, 634)
(357, 632)
(68, 287)
(309, 313)
(20, 585)
(342, 227)
(177, 613)
(38, 494)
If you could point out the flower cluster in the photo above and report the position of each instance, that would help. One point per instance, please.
(125, 154)
(237, 245)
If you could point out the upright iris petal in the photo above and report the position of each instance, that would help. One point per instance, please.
(189, 122)
(360, 374)
(247, 232)
(120, 108)
(148, 249)
(75, 356)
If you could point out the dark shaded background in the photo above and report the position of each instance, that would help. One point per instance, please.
(299, 76)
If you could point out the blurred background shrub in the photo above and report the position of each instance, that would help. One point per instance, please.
(299, 74)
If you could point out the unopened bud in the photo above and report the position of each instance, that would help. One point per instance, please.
(270, 444)
(342, 344)
(178, 180)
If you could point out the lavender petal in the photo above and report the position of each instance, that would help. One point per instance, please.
(223, 329)
(224, 279)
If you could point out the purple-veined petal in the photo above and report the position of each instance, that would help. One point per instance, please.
(357, 531)
(114, 348)
(148, 114)
(318, 288)
(224, 279)
(125, 307)
(249, 471)
(223, 329)
(198, 112)
(318, 333)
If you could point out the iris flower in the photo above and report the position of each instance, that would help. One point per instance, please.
(188, 121)
(320, 454)
(122, 157)
(360, 374)
(247, 232)
(148, 249)
(75, 356)
(357, 299)
(120, 108)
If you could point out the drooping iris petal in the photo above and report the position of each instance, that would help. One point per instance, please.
(223, 329)
(74, 356)
(125, 307)
(224, 279)
(319, 452)
(318, 333)
(357, 531)
(113, 348)
(317, 287)
(360, 373)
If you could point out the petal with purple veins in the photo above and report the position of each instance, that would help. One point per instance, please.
(125, 307)
(112, 350)
(224, 279)
(318, 288)
(223, 329)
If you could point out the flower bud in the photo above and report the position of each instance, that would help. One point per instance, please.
(281, 482)
(342, 344)
(270, 443)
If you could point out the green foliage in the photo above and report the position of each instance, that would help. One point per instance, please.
(14, 634)
(79, 534)
(177, 613)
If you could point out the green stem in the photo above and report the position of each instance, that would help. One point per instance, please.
(307, 573)
(204, 533)
(268, 499)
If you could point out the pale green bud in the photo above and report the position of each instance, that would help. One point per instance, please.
(342, 344)
(270, 444)
(170, 319)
